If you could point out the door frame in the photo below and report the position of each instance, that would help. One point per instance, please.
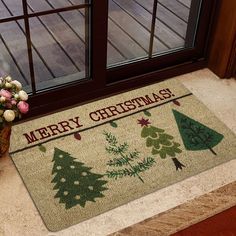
(222, 56)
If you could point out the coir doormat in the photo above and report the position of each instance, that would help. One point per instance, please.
(89, 159)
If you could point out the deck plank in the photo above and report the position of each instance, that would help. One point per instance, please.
(14, 71)
(71, 46)
(124, 44)
(113, 55)
(15, 40)
(41, 71)
(52, 55)
(162, 32)
(17, 6)
(177, 8)
(137, 32)
(13, 35)
(166, 17)
(55, 59)
(60, 5)
(187, 3)
(76, 19)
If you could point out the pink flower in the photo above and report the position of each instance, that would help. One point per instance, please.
(13, 102)
(23, 107)
(5, 93)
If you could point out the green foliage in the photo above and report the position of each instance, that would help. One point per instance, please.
(147, 113)
(160, 142)
(151, 131)
(111, 139)
(75, 182)
(195, 135)
(165, 150)
(124, 158)
(117, 149)
(42, 148)
(113, 124)
(145, 164)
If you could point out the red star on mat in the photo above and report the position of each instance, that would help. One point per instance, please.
(144, 122)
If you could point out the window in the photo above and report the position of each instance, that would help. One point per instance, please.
(45, 42)
(140, 29)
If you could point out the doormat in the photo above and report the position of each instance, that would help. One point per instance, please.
(89, 159)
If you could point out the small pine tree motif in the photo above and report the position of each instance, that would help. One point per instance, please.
(160, 142)
(195, 135)
(126, 162)
(75, 182)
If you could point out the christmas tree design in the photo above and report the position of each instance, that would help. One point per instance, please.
(160, 142)
(126, 162)
(195, 135)
(75, 182)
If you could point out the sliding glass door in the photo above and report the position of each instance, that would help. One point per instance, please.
(70, 51)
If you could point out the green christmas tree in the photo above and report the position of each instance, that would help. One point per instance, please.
(195, 135)
(161, 142)
(126, 162)
(75, 182)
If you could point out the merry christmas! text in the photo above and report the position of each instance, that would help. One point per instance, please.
(98, 115)
(53, 129)
(130, 105)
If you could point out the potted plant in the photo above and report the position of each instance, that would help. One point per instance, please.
(12, 105)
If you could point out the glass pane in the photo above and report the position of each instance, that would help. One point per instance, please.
(127, 38)
(139, 29)
(171, 23)
(174, 26)
(13, 53)
(59, 43)
(10, 8)
(44, 5)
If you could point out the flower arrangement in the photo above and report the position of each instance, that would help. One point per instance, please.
(12, 100)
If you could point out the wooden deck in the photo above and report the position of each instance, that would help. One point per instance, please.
(58, 40)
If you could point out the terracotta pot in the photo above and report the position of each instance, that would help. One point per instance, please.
(5, 134)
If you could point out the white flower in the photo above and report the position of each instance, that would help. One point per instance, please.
(9, 115)
(2, 99)
(8, 78)
(8, 85)
(17, 84)
(16, 96)
(23, 95)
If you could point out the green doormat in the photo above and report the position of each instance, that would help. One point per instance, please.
(89, 159)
